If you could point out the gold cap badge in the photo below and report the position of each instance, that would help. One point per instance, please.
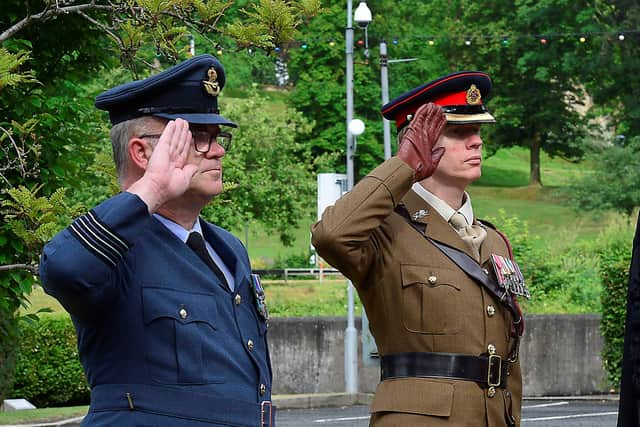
(211, 85)
(474, 97)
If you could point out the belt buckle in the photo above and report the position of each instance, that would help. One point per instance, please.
(494, 361)
(263, 409)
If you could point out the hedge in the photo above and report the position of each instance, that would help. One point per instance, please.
(48, 372)
(8, 344)
(615, 259)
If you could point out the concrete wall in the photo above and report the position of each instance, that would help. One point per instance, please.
(560, 355)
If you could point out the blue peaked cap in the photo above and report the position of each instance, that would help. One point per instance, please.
(188, 91)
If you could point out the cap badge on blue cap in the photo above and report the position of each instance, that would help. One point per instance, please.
(211, 86)
(474, 97)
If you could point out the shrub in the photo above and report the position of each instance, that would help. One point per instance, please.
(48, 371)
(8, 343)
(562, 279)
(615, 258)
(299, 260)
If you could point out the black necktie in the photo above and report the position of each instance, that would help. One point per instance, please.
(196, 242)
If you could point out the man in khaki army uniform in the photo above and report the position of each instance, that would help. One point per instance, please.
(438, 286)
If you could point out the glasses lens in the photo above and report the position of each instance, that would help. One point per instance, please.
(201, 141)
(224, 140)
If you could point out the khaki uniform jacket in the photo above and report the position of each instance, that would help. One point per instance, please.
(390, 264)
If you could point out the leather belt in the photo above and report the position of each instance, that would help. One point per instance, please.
(486, 370)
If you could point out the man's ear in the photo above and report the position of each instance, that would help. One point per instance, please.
(139, 152)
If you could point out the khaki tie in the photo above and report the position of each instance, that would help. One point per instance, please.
(472, 235)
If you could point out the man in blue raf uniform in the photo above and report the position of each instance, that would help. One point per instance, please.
(171, 323)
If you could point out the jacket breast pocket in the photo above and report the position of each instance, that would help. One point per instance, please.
(431, 300)
(181, 337)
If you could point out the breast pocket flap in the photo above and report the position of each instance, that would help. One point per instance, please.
(184, 307)
(431, 276)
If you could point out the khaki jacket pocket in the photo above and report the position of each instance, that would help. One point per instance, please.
(431, 300)
(423, 396)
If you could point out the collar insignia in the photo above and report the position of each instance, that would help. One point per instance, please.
(211, 85)
(420, 214)
(474, 97)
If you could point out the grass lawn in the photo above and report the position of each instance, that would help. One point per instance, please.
(43, 415)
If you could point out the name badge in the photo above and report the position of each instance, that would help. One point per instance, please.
(260, 297)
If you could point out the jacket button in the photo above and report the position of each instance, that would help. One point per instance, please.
(237, 299)
(491, 310)
(491, 349)
(491, 392)
(183, 313)
(263, 389)
(432, 280)
(250, 345)
(485, 271)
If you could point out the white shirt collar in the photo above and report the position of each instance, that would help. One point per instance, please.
(179, 231)
(442, 207)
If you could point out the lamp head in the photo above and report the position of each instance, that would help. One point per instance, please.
(362, 15)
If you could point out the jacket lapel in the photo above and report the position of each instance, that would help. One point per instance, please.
(224, 248)
(436, 227)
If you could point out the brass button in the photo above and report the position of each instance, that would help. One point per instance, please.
(183, 313)
(432, 280)
(491, 392)
(485, 271)
(263, 389)
(250, 345)
(491, 310)
(491, 348)
(237, 299)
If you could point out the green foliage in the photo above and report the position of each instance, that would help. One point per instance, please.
(35, 220)
(614, 183)
(8, 344)
(615, 259)
(563, 279)
(267, 177)
(10, 76)
(299, 260)
(304, 298)
(48, 372)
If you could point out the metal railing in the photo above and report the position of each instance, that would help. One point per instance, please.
(286, 273)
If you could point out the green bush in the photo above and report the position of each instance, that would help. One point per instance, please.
(562, 278)
(615, 259)
(48, 371)
(8, 343)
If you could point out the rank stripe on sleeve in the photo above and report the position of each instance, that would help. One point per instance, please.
(99, 238)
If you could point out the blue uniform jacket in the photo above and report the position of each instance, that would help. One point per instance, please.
(161, 341)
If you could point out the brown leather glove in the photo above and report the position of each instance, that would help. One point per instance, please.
(416, 146)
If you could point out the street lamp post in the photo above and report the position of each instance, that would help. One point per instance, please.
(384, 85)
(362, 17)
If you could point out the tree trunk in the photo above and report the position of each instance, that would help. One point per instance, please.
(534, 174)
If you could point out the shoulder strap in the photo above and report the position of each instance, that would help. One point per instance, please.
(466, 264)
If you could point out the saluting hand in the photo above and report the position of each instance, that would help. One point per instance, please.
(168, 172)
(416, 146)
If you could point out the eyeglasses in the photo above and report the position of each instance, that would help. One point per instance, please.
(202, 140)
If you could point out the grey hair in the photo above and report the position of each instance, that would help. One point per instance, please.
(121, 134)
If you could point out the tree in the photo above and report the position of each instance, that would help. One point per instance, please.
(267, 171)
(539, 86)
(614, 183)
(318, 74)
